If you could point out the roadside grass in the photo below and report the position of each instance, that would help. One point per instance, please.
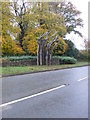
(4, 71)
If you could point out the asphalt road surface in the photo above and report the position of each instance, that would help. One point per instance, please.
(54, 94)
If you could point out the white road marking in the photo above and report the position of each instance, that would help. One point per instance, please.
(82, 79)
(41, 93)
(28, 97)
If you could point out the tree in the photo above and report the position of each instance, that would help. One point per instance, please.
(26, 22)
(70, 13)
(61, 48)
(10, 48)
(21, 19)
(71, 50)
(8, 45)
(43, 21)
(86, 51)
(35, 18)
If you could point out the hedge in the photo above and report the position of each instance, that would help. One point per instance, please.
(66, 60)
(18, 58)
(62, 59)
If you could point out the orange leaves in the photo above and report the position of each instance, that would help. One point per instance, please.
(30, 43)
(32, 47)
(18, 50)
(39, 31)
(62, 47)
(9, 47)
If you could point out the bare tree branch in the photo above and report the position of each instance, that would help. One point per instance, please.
(53, 34)
(46, 33)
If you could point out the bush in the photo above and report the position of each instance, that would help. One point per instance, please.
(83, 55)
(17, 58)
(62, 60)
(66, 60)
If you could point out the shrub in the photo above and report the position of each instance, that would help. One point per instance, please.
(66, 60)
(17, 58)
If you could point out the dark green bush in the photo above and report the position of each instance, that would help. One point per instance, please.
(66, 60)
(62, 60)
(17, 58)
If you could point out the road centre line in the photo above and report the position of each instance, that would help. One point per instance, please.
(82, 79)
(38, 94)
(28, 97)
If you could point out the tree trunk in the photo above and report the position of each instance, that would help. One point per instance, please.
(51, 58)
(44, 56)
(47, 57)
(38, 54)
(43, 52)
(21, 35)
(41, 55)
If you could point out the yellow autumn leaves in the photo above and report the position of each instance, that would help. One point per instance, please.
(10, 47)
(10, 35)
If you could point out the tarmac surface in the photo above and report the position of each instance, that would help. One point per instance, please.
(54, 94)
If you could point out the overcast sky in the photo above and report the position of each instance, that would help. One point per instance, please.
(81, 5)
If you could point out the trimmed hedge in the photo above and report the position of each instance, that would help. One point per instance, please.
(66, 60)
(62, 59)
(18, 58)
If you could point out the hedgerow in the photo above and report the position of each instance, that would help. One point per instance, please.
(66, 60)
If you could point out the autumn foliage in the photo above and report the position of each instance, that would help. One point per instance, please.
(9, 47)
(22, 25)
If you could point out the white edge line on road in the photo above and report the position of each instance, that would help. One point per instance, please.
(28, 97)
(82, 79)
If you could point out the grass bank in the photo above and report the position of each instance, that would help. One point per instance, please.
(5, 71)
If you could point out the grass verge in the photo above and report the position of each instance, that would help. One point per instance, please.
(5, 71)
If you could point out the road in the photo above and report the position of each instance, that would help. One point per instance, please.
(54, 94)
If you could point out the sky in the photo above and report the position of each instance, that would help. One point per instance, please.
(81, 5)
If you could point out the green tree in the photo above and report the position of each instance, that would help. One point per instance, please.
(34, 19)
(25, 22)
(86, 52)
(21, 20)
(70, 13)
(71, 50)
(8, 32)
(7, 21)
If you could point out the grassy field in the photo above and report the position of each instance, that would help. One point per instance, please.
(27, 69)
